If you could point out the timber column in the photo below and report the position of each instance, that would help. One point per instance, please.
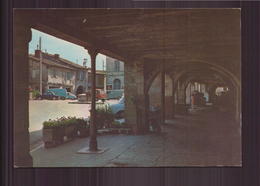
(21, 37)
(93, 128)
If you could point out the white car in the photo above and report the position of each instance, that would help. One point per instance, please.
(118, 108)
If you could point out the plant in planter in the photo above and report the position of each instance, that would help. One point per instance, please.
(70, 126)
(104, 116)
(83, 127)
(53, 133)
(35, 94)
(117, 124)
(121, 128)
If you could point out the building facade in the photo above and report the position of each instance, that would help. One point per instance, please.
(100, 79)
(56, 73)
(114, 77)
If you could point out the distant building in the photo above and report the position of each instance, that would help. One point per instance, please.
(114, 77)
(57, 73)
(100, 79)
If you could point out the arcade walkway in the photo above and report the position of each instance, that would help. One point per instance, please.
(203, 138)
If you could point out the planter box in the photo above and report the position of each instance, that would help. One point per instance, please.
(70, 131)
(52, 136)
(83, 132)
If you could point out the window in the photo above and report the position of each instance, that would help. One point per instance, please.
(81, 75)
(117, 66)
(53, 73)
(117, 84)
(35, 73)
(68, 76)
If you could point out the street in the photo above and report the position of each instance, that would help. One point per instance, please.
(42, 110)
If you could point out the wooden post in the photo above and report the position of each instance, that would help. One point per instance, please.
(93, 128)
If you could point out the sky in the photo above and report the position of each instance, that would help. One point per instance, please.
(66, 50)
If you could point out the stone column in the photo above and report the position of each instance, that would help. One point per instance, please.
(180, 90)
(147, 110)
(162, 94)
(21, 38)
(173, 99)
(93, 128)
(134, 96)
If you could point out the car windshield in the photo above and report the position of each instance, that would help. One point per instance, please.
(121, 100)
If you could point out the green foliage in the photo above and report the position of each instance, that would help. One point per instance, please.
(63, 122)
(117, 124)
(104, 115)
(82, 123)
(35, 93)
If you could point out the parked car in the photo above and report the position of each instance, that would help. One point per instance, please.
(114, 94)
(100, 94)
(118, 108)
(62, 93)
(71, 96)
(48, 95)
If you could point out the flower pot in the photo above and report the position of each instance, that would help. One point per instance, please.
(52, 136)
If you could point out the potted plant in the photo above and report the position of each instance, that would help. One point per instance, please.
(70, 126)
(104, 116)
(35, 94)
(83, 127)
(53, 133)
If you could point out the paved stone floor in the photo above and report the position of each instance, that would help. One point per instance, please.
(207, 138)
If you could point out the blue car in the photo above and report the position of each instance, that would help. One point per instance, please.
(62, 93)
(48, 95)
(118, 108)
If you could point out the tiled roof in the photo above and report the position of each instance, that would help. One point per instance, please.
(50, 59)
(49, 62)
(64, 61)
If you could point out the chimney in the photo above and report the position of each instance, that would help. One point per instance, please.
(37, 53)
(56, 56)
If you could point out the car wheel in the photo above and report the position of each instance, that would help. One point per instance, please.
(120, 115)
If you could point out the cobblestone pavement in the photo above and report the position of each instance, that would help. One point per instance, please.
(42, 110)
(204, 139)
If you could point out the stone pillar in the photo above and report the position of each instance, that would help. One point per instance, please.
(135, 103)
(173, 99)
(181, 93)
(147, 110)
(162, 94)
(211, 92)
(93, 128)
(21, 38)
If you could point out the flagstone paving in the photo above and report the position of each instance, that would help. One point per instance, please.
(202, 139)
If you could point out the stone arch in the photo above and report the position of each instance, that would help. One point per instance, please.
(79, 90)
(116, 84)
